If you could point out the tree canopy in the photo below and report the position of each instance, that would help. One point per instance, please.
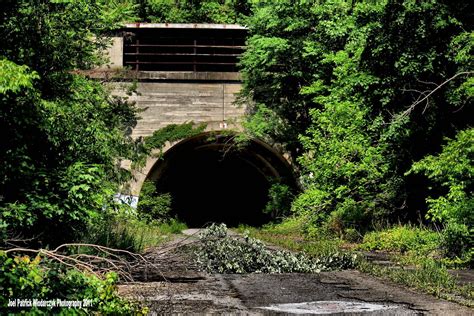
(360, 90)
(62, 134)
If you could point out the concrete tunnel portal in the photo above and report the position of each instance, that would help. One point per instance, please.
(211, 179)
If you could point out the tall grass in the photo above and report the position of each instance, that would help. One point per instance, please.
(131, 234)
(293, 234)
(403, 239)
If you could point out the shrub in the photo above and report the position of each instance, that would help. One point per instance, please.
(153, 206)
(452, 169)
(22, 277)
(311, 202)
(349, 214)
(279, 200)
(402, 239)
(457, 240)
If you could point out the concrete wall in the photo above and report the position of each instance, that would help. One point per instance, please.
(165, 103)
(114, 54)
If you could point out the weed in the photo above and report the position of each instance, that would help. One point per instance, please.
(430, 277)
(403, 239)
(132, 234)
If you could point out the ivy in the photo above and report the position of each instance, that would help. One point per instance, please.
(172, 133)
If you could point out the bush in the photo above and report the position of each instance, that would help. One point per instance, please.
(452, 169)
(311, 202)
(279, 200)
(402, 239)
(22, 277)
(457, 241)
(153, 206)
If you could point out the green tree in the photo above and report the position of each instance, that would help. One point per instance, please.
(357, 91)
(62, 134)
(193, 11)
(153, 206)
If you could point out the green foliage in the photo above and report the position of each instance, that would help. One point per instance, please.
(153, 206)
(14, 78)
(457, 242)
(219, 253)
(402, 239)
(172, 133)
(187, 11)
(298, 234)
(62, 133)
(41, 279)
(169, 133)
(173, 226)
(431, 277)
(453, 169)
(338, 82)
(129, 233)
(279, 200)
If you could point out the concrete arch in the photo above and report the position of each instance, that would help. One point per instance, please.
(228, 175)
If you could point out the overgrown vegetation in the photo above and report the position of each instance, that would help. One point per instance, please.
(132, 234)
(414, 252)
(62, 136)
(219, 252)
(403, 239)
(153, 206)
(171, 133)
(430, 277)
(191, 11)
(62, 133)
(280, 197)
(297, 234)
(38, 278)
(373, 100)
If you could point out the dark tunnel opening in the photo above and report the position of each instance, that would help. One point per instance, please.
(210, 181)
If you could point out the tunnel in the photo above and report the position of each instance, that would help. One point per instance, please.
(212, 179)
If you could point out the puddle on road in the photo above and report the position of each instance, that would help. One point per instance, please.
(329, 307)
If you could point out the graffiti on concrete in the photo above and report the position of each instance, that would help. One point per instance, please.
(130, 200)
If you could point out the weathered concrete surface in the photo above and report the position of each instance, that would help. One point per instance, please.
(164, 103)
(114, 54)
(190, 291)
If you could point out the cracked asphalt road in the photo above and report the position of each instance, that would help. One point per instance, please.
(179, 288)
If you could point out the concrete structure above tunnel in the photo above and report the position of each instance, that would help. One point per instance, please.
(177, 73)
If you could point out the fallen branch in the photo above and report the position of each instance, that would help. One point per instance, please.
(108, 260)
(424, 95)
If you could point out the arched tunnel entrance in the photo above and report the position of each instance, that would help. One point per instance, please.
(211, 179)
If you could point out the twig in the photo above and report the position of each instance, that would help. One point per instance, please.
(427, 95)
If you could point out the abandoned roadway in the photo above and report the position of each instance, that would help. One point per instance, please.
(175, 286)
